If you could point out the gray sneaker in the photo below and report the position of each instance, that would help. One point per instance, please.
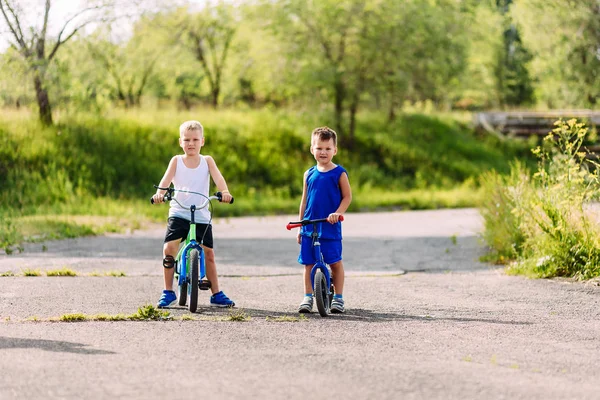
(337, 306)
(306, 305)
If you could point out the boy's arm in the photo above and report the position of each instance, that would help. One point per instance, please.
(218, 179)
(302, 204)
(166, 180)
(346, 199)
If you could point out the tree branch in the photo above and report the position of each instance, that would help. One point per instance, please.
(15, 30)
(60, 41)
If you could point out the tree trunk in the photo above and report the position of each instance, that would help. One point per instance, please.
(392, 109)
(43, 101)
(215, 96)
(339, 91)
(352, 129)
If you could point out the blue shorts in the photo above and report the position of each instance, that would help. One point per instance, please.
(330, 248)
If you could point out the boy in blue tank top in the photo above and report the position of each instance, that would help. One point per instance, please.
(326, 194)
(191, 171)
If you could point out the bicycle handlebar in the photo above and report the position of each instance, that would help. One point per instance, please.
(298, 224)
(170, 191)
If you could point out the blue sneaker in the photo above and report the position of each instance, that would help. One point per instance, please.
(221, 300)
(168, 298)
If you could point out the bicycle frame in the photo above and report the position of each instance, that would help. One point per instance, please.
(320, 263)
(190, 244)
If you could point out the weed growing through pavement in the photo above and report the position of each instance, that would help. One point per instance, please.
(31, 272)
(287, 318)
(454, 239)
(237, 315)
(73, 317)
(114, 273)
(61, 272)
(7, 273)
(149, 312)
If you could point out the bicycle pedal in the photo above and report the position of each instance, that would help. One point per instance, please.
(204, 284)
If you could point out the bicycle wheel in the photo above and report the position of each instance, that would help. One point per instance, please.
(183, 293)
(321, 294)
(194, 260)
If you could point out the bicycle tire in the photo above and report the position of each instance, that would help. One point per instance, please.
(183, 294)
(321, 295)
(194, 260)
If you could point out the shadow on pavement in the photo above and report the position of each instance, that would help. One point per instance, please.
(357, 314)
(48, 345)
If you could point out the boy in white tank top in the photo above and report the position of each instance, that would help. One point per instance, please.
(191, 172)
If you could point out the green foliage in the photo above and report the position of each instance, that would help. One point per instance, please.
(262, 155)
(564, 37)
(502, 226)
(543, 220)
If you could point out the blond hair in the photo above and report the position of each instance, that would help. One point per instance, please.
(191, 126)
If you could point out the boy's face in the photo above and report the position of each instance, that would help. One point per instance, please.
(323, 150)
(191, 142)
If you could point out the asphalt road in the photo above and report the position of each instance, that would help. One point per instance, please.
(425, 320)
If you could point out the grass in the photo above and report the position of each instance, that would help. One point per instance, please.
(65, 272)
(237, 315)
(114, 273)
(91, 186)
(144, 313)
(287, 318)
(541, 223)
(61, 272)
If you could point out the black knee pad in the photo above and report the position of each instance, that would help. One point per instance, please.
(169, 262)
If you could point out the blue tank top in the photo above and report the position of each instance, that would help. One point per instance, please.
(323, 197)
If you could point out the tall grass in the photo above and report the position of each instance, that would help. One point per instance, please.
(106, 165)
(542, 221)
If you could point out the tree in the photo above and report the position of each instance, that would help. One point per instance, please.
(208, 34)
(328, 44)
(564, 36)
(129, 64)
(354, 48)
(514, 84)
(38, 47)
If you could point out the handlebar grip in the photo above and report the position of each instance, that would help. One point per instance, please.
(220, 197)
(291, 226)
(151, 200)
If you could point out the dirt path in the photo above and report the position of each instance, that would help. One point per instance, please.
(425, 320)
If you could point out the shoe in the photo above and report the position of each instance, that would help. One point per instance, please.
(337, 306)
(306, 305)
(167, 299)
(221, 300)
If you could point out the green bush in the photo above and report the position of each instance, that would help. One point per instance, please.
(542, 221)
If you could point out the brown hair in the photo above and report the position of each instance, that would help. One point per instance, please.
(325, 133)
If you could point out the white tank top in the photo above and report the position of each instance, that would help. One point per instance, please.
(194, 180)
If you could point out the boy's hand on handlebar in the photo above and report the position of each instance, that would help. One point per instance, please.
(158, 198)
(226, 197)
(334, 217)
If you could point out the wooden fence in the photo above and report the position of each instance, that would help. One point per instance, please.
(526, 124)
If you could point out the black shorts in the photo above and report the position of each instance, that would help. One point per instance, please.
(178, 228)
